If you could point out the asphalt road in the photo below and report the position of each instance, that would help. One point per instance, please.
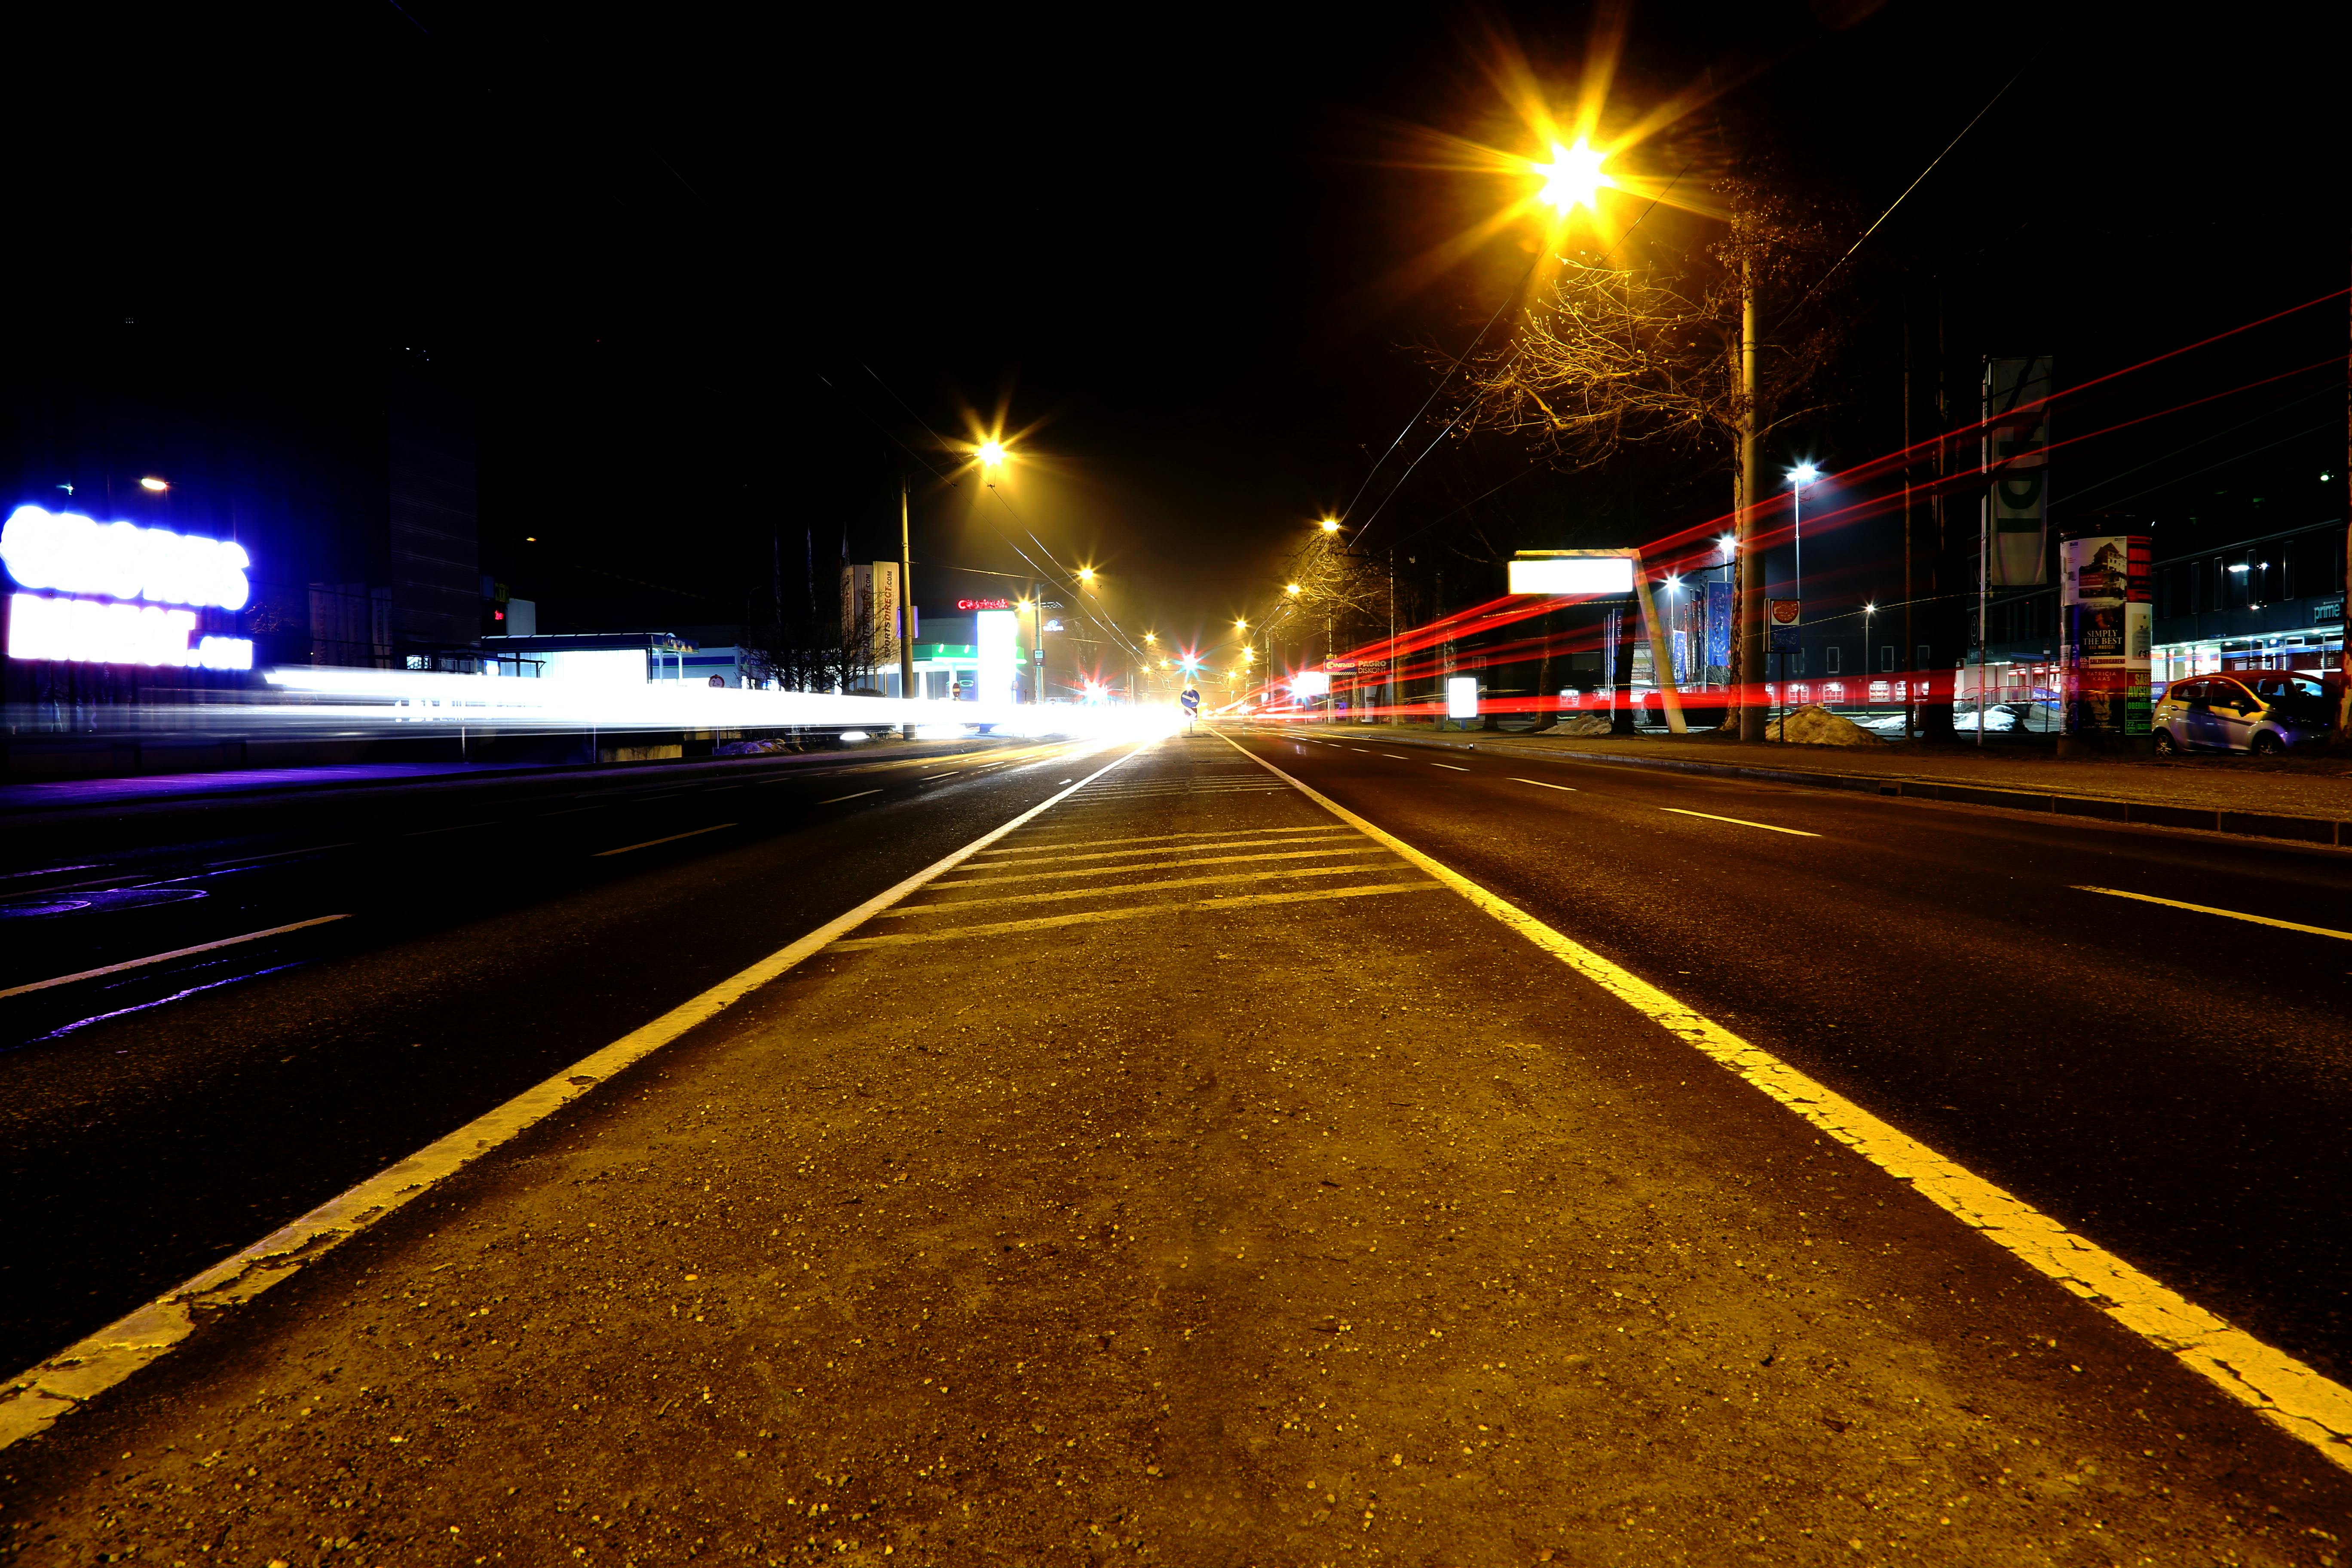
(493, 929)
(2175, 1085)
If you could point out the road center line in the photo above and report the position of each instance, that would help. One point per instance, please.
(861, 795)
(2309, 1407)
(30, 1401)
(2199, 908)
(167, 957)
(1541, 784)
(1740, 821)
(673, 838)
(1393, 756)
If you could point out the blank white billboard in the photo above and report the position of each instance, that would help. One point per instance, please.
(1000, 652)
(1560, 575)
(1461, 696)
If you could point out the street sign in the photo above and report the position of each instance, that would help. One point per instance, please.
(1190, 700)
(1784, 617)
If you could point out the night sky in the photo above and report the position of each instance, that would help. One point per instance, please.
(717, 279)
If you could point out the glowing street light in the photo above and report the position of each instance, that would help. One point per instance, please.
(1087, 575)
(1330, 525)
(991, 454)
(153, 484)
(1573, 178)
(1151, 637)
(1800, 476)
(1290, 588)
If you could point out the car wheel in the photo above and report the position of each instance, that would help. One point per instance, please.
(2267, 744)
(2165, 746)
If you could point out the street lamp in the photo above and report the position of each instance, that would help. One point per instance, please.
(1869, 609)
(1330, 525)
(991, 454)
(154, 485)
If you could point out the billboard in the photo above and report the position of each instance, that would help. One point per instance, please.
(116, 593)
(2105, 628)
(2017, 455)
(1565, 575)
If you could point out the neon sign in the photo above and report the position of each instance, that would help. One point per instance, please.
(121, 562)
(983, 604)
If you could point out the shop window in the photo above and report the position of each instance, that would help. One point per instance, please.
(1836, 663)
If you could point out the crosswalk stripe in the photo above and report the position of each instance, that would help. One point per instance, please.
(1091, 917)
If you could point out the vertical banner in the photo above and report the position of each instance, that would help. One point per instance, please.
(2106, 622)
(2017, 455)
(1718, 628)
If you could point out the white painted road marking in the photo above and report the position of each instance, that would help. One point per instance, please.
(2308, 1406)
(1393, 756)
(1457, 768)
(861, 795)
(167, 957)
(673, 838)
(1541, 784)
(30, 1401)
(2199, 908)
(1740, 821)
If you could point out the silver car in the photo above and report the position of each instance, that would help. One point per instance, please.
(2265, 712)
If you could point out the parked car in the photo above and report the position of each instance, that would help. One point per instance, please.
(2265, 712)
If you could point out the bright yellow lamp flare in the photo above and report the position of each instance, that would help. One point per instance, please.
(1573, 178)
(1290, 588)
(991, 454)
(1330, 525)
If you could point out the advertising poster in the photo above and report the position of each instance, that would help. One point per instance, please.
(2016, 453)
(1718, 625)
(2105, 626)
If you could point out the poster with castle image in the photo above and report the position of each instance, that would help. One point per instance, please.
(2105, 625)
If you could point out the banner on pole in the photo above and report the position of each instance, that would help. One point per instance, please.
(2017, 455)
(1718, 625)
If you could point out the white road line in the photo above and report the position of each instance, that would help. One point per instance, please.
(1393, 754)
(33, 1398)
(2305, 1404)
(1049, 857)
(673, 838)
(861, 795)
(1034, 845)
(280, 855)
(1541, 784)
(2199, 908)
(167, 957)
(949, 775)
(1454, 767)
(1741, 822)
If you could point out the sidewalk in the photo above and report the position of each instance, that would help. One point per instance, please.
(2199, 789)
(1185, 1178)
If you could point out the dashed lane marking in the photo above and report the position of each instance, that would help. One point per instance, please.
(1741, 822)
(1158, 866)
(1541, 784)
(35, 1397)
(167, 957)
(672, 838)
(1063, 895)
(1393, 755)
(861, 795)
(2296, 1397)
(2198, 908)
(1452, 766)
(1089, 917)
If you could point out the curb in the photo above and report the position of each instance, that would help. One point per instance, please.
(2145, 813)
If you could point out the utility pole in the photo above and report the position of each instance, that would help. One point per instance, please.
(1749, 686)
(2343, 736)
(906, 611)
(1910, 642)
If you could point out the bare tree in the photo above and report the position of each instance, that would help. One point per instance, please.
(1647, 353)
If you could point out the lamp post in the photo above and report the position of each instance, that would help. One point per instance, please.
(1869, 608)
(1799, 477)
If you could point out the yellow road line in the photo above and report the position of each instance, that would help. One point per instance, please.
(1042, 858)
(1741, 822)
(1031, 845)
(2199, 908)
(1091, 917)
(1541, 784)
(1059, 894)
(2295, 1396)
(1158, 866)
